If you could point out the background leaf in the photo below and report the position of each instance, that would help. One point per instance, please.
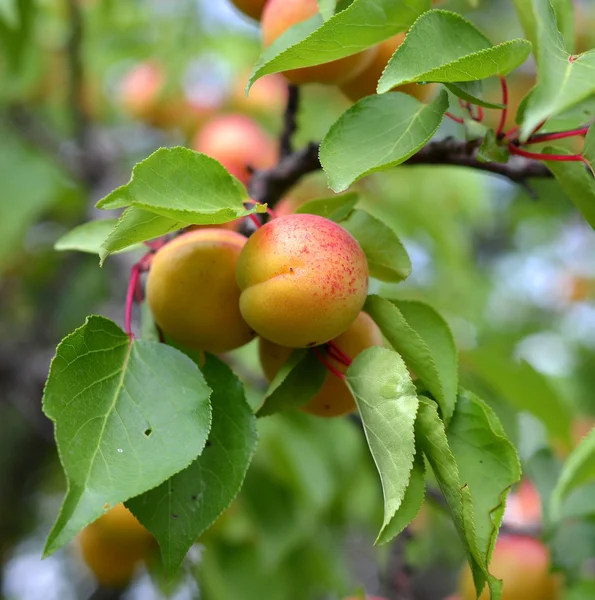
(387, 402)
(336, 208)
(118, 437)
(377, 133)
(180, 509)
(459, 52)
(88, 237)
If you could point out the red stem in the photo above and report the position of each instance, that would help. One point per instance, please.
(343, 358)
(132, 286)
(455, 119)
(546, 137)
(552, 157)
(479, 117)
(325, 362)
(510, 134)
(254, 220)
(504, 114)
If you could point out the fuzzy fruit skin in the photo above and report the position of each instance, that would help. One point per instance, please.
(523, 565)
(334, 398)
(366, 82)
(304, 280)
(237, 143)
(280, 15)
(193, 294)
(252, 8)
(114, 546)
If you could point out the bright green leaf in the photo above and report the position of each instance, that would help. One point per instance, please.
(88, 237)
(297, 382)
(377, 133)
(589, 148)
(563, 80)
(362, 24)
(120, 408)
(327, 8)
(387, 258)
(458, 52)
(435, 364)
(180, 509)
(387, 402)
(488, 464)
(336, 208)
(491, 151)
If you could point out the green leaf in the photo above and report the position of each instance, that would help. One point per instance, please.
(88, 237)
(471, 91)
(336, 208)
(576, 181)
(426, 345)
(179, 510)
(563, 79)
(183, 185)
(136, 225)
(578, 469)
(120, 409)
(523, 387)
(578, 116)
(362, 24)
(387, 402)
(488, 464)
(9, 12)
(327, 8)
(377, 133)
(387, 258)
(432, 441)
(458, 52)
(412, 502)
(296, 383)
(16, 33)
(491, 151)
(589, 148)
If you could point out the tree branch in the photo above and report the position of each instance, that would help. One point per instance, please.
(271, 184)
(289, 121)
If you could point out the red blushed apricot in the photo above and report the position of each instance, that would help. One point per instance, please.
(304, 280)
(141, 89)
(252, 8)
(193, 294)
(280, 15)
(334, 398)
(238, 143)
(114, 546)
(366, 82)
(522, 563)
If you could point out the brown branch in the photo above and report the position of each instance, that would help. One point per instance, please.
(271, 184)
(74, 50)
(289, 120)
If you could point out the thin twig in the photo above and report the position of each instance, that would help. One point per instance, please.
(289, 121)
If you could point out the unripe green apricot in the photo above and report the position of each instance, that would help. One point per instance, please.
(304, 280)
(193, 294)
(334, 398)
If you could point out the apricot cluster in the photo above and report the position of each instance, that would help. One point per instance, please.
(299, 281)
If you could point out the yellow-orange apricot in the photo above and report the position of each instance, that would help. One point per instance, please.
(334, 398)
(522, 563)
(279, 15)
(238, 143)
(365, 83)
(304, 280)
(193, 294)
(114, 546)
(252, 8)
(267, 95)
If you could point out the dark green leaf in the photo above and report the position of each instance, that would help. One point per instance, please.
(180, 509)
(336, 208)
(471, 91)
(589, 148)
(458, 52)
(377, 133)
(387, 402)
(120, 408)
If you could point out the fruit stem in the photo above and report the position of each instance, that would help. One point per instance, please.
(339, 354)
(132, 288)
(546, 137)
(504, 114)
(254, 220)
(455, 119)
(553, 157)
(325, 362)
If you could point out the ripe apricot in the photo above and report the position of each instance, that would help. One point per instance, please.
(523, 565)
(252, 8)
(238, 143)
(114, 546)
(366, 82)
(193, 294)
(304, 280)
(267, 95)
(141, 88)
(279, 15)
(334, 398)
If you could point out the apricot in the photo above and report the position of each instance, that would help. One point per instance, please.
(238, 143)
(523, 565)
(141, 88)
(252, 8)
(279, 15)
(366, 82)
(114, 546)
(304, 280)
(523, 507)
(267, 95)
(193, 294)
(334, 398)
